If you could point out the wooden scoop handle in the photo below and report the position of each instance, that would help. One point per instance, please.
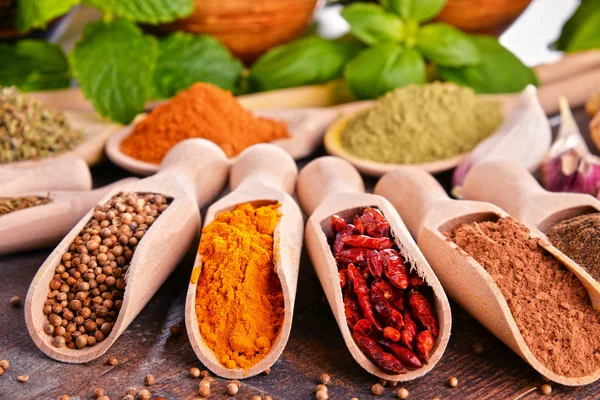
(503, 183)
(323, 177)
(203, 162)
(569, 65)
(264, 164)
(412, 192)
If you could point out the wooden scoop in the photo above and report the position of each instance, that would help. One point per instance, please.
(43, 226)
(329, 186)
(428, 213)
(66, 172)
(192, 173)
(263, 174)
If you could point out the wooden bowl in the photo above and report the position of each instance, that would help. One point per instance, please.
(247, 28)
(482, 16)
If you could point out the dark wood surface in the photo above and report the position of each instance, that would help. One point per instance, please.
(315, 346)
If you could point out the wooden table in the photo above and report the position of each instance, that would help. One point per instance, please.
(315, 346)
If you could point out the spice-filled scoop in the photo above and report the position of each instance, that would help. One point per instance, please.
(571, 221)
(240, 300)
(66, 172)
(506, 276)
(391, 309)
(41, 219)
(113, 261)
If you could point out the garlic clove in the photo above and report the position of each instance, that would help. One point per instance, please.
(524, 137)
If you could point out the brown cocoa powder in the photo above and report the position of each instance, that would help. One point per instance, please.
(549, 304)
(579, 238)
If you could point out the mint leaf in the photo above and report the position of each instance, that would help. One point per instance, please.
(37, 13)
(371, 24)
(582, 30)
(146, 11)
(445, 45)
(499, 71)
(304, 61)
(33, 65)
(382, 68)
(415, 10)
(114, 63)
(184, 59)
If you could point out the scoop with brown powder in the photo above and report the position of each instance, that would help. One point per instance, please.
(549, 304)
(579, 239)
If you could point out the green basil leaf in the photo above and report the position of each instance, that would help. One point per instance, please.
(371, 24)
(499, 71)
(582, 30)
(445, 45)
(33, 65)
(415, 10)
(382, 68)
(37, 13)
(114, 63)
(184, 59)
(304, 61)
(146, 11)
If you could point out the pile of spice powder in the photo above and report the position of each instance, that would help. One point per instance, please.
(86, 292)
(239, 300)
(579, 239)
(30, 130)
(12, 204)
(424, 123)
(202, 111)
(549, 304)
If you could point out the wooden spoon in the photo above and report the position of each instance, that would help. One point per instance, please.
(576, 90)
(329, 186)
(192, 173)
(263, 174)
(66, 172)
(43, 226)
(428, 213)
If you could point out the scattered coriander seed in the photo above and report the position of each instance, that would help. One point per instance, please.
(257, 397)
(322, 395)
(237, 383)
(392, 383)
(15, 301)
(377, 389)
(268, 398)
(64, 397)
(131, 391)
(128, 397)
(478, 348)
(144, 394)
(402, 393)
(4, 364)
(149, 380)
(452, 382)
(354, 398)
(23, 378)
(325, 379)
(204, 391)
(175, 330)
(321, 387)
(1, 371)
(546, 389)
(104, 398)
(194, 372)
(436, 398)
(204, 373)
(267, 371)
(98, 392)
(112, 361)
(207, 381)
(232, 389)
(383, 382)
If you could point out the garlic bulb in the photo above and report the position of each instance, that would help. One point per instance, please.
(570, 166)
(524, 137)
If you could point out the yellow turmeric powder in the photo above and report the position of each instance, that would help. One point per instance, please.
(239, 300)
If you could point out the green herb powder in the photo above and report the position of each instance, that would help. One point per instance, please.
(29, 130)
(419, 124)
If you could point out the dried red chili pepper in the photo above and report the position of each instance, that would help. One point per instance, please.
(385, 361)
(353, 256)
(338, 244)
(343, 277)
(386, 289)
(337, 223)
(424, 344)
(367, 242)
(363, 327)
(362, 294)
(423, 312)
(409, 332)
(383, 307)
(394, 268)
(375, 223)
(415, 280)
(351, 309)
(374, 264)
(358, 225)
(406, 357)
(391, 333)
(398, 300)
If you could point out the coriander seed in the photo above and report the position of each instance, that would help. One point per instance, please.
(546, 389)
(149, 380)
(1, 371)
(112, 361)
(64, 397)
(321, 387)
(4, 364)
(268, 398)
(104, 397)
(194, 372)
(322, 395)
(175, 330)
(325, 379)
(402, 393)
(237, 383)
(98, 392)
(257, 397)
(267, 371)
(204, 391)
(128, 397)
(383, 382)
(452, 382)
(204, 373)
(144, 394)
(23, 378)
(232, 389)
(131, 391)
(377, 389)
(15, 301)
